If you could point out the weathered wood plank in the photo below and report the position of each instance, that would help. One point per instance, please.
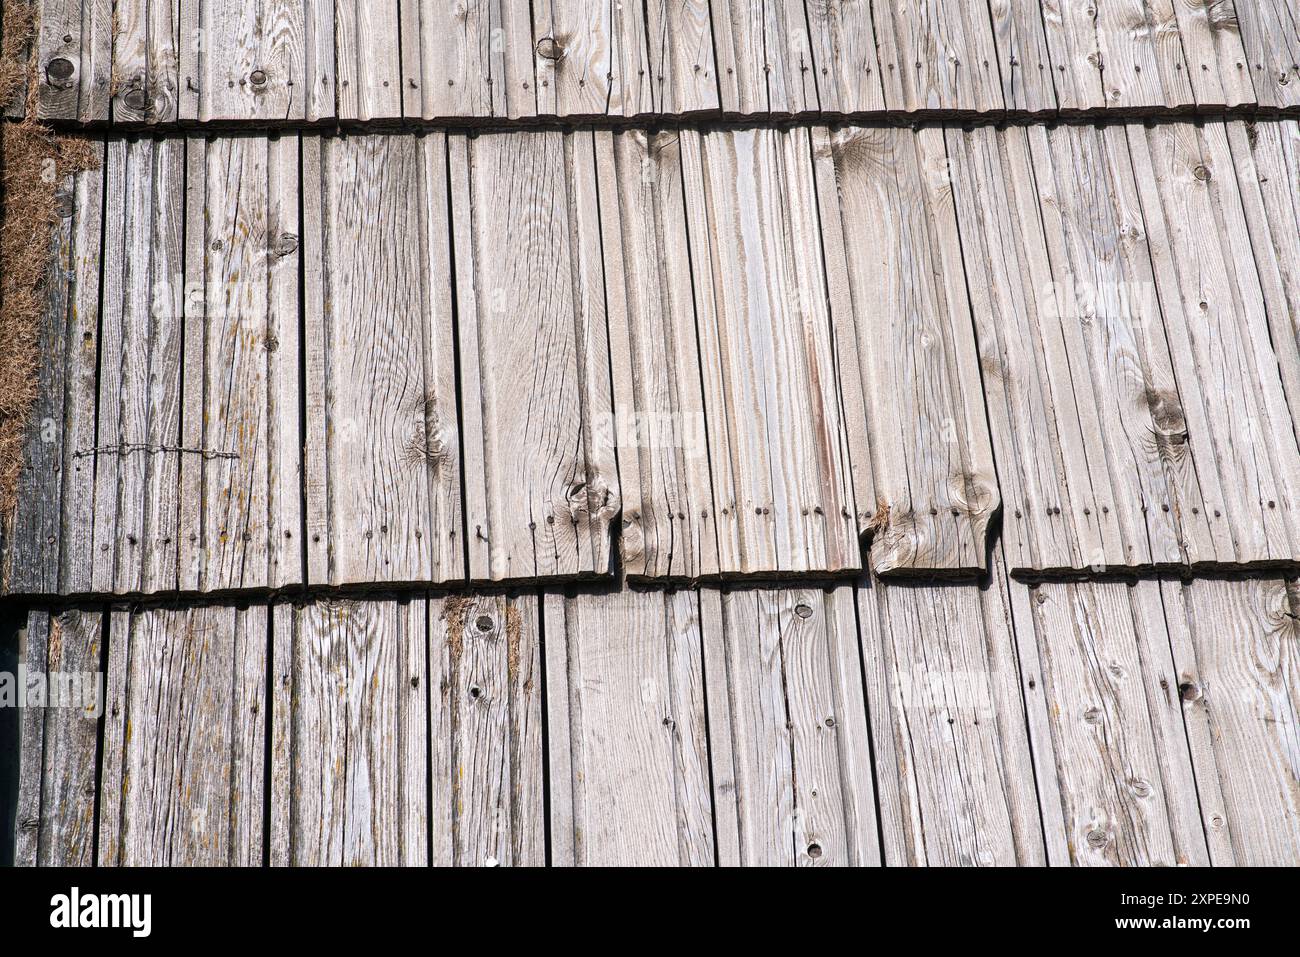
(383, 472)
(842, 52)
(146, 52)
(955, 777)
(599, 56)
(659, 414)
(938, 55)
(485, 745)
(240, 446)
(1270, 33)
(785, 691)
(56, 812)
(349, 759)
(1040, 433)
(682, 64)
(541, 483)
(184, 738)
(249, 61)
(1218, 329)
(1234, 643)
(1216, 60)
(1076, 59)
(471, 58)
(1024, 63)
(1118, 753)
(74, 60)
(778, 448)
(895, 232)
(628, 748)
(368, 59)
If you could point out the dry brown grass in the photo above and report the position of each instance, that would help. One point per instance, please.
(33, 162)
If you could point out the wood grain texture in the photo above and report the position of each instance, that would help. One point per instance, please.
(792, 782)
(383, 443)
(1115, 749)
(597, 56)
(146, 42)
(950, 735)
(184, 738)
(890, 230)
(367, 50)
(1024, 61)
(74, 60)
(629, 755)
(1234, 643)
(540, 473)
(766, 55)
(938, 55)
(249, 62)
(778, 446)
(349, 765)
(680, 50)
(1270, 34)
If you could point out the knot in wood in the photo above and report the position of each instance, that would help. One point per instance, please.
(549, 48)
(59, 71)
(803, 611)
(483, 623)
(1202, 173)
(257, 78)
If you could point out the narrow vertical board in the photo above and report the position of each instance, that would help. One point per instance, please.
(599, 54)
(472, 58)
(659, 421)
(349, 763)
(59, 746)
(368, 59)
(184, 738)
(1076, 59)
(74, 60)
(792, 779)
(248, 61)
(628, 744)
(383, 461)
(34, 528)
(240, 441)
(541, 482)
(908, 337)
(1270, 33)
(1024, 63)
(1218, 329)
(1118, 754)
(782, 491)
(1113, 328)
(485, 739)
(1056, 512)
(1238, 679)
(146, 38)
(681, 60)
(956, 780)
(842, 49)
(938, 55)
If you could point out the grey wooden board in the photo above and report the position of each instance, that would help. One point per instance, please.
(923, 462)
(55, 818)
(383, 483)
(541, 482)
(956, 782)
(1109, 737)
(938, 55)
(1270, 34)
(1234, 645)
(629, 755)
(184, 738)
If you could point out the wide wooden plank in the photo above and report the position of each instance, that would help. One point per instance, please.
(250, 61)
(184, 738)
(383, 445)
(1076, 60)
(891, 237)
(1040, 433)
(938, 55)
(680, 48)
(766, 56)
(1270, 33)
(782, 493)
(146, 41)
(59, 740)
(842, 48)
(792, 774)
(1115, 748)
(596, 56)
(486, 744)
(241, 515)
(74, 60)
(1234, 643)
(628, 745)
(367, 50)
(1219, 333)
(541, 481)
(1024, 62)
(349, 764)
(1216, 60)
(949, 730)
(471, 58)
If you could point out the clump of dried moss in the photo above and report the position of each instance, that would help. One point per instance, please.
(33, 163)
